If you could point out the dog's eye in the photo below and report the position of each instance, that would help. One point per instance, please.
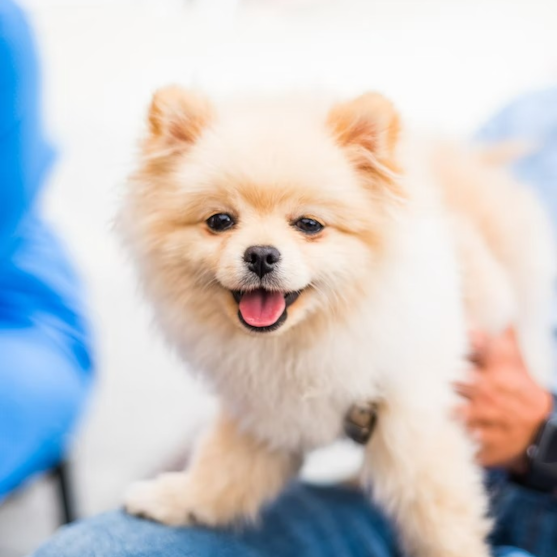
(220, 222)
(308, 226)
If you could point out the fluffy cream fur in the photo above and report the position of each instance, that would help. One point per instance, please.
(420, 242)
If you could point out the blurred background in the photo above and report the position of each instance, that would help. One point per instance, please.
(448, 65)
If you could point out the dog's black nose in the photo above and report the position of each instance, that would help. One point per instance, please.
(261, 259)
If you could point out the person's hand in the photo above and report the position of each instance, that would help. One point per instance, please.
(504, 407)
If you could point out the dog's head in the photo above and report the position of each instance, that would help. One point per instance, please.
(262, 215)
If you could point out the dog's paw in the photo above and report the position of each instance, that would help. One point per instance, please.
(176, 500)
(164, 499)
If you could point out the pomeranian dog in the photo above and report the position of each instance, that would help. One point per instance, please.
(305, 257)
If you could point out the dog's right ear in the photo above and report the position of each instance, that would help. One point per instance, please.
(368, 124)
(367, 128)
(177, 116)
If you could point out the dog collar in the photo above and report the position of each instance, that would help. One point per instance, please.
(360, 421)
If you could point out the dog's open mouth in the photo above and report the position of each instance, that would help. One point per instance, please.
(263, 310)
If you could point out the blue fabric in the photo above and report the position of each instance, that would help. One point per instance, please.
(25, 156)
(525, 519)
(510, 552)
(45, 364)
(531, 119)
(306, 521)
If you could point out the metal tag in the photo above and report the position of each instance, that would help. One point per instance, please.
(360, 421)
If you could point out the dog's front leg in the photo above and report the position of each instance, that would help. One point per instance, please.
(231, 476)
(419, 465)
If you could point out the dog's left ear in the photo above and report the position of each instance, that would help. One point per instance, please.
(178, 116)
(368, 127)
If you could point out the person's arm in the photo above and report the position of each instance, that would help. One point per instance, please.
(505, 409)
(24, 153)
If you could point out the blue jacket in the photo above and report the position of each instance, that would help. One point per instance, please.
(532, 119)
(45, 356)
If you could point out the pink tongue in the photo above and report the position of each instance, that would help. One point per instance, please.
(261, 308)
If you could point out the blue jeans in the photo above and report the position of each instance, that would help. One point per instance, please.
(306, 521)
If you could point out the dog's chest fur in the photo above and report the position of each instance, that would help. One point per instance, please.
(296, 398)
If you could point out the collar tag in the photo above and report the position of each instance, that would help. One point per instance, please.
(360, 421)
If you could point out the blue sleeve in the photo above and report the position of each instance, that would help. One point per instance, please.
(46, 366)
(38, 284)
(24, 153)
(532, 119)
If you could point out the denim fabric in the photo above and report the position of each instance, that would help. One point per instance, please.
(510, 552)
(306, 521)
(525, 519)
